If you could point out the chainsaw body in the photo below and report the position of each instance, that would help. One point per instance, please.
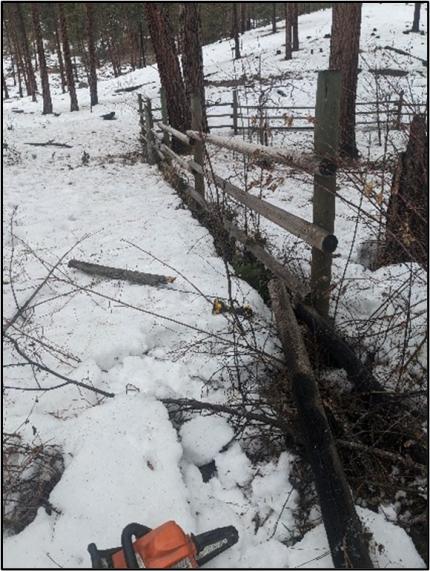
(166, 547)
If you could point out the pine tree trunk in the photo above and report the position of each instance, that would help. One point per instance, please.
(274, 28)
(345, 43)
(168, 67)
(235, 31)
(20, 67)
(288, 28)
(416, 23)
(9, 46)
(46, 91)
(32, 86)
(243, 17)
(193, 57)
(36, 67)
(60, 59)
(5, 90)
(92, 53)
(67, 58)
(295, 24)
(408, 207)
(142, 58)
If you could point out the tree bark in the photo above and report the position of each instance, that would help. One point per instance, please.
(46, 91)
(92, 53)
(32, 86)
(67, 58)
(345, 43)
(407, 213)
(416, 23)
(192, 57)
(295, 24)
(288, 26)
(235, 31)
(168, 66)
(60, 58)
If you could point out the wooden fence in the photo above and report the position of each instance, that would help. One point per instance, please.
(319, 233)
(348, 543)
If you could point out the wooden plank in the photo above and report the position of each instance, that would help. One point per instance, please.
(310, 233)
(326, 141)
(345, 533)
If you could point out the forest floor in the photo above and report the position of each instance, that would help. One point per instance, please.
(125, 458)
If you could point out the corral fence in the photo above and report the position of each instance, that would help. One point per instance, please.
(318, 233)
(380, 115)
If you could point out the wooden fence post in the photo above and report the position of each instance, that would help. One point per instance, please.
(235, 111)
(150, 151)
(399, 110)
(326, 143)
(164, 115)
(198, 146)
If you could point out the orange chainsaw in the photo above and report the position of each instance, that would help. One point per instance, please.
(166, 547)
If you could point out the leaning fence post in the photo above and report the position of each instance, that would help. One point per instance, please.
(235, 111)
(326, 141)
(399, 110)
(164, 115)
(150, 152)
(198, 146)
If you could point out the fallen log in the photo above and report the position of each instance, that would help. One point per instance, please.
(121, 274)
(344, 529)
(339, 350)
(50, 144)
(128, 89)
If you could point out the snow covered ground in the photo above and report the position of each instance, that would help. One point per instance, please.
(124, 458)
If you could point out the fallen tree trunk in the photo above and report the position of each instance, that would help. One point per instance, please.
(344, 529)
(121, 274)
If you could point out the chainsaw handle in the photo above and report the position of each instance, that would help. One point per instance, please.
(130, 531)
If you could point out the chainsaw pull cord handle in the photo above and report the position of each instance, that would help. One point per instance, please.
(130, 531)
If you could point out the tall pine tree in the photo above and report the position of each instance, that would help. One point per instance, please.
(345, 43)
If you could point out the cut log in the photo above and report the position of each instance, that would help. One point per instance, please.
(50, 144)
(344, 529)
(121, 274)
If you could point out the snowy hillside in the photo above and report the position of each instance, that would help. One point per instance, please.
(130, 458)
